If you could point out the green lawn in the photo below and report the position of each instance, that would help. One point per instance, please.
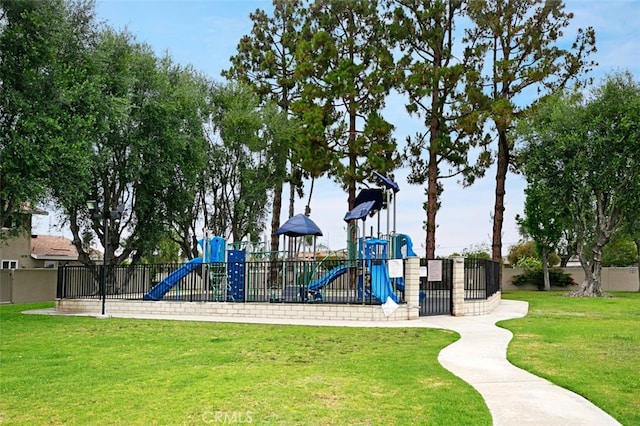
(74, 370)
(591, 346)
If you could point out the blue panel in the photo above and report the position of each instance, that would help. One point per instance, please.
(236, 260)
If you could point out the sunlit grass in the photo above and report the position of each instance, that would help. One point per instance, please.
(588, 345)
(73, 370)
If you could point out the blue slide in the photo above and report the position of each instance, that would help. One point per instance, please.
(381, 283)
(160, 289)
(327, 279)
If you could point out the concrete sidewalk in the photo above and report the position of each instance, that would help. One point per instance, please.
(514, 396)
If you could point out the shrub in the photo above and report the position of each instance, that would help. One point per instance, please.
(529, 264)
(536, 277)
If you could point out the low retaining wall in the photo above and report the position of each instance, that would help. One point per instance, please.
(481, 307)
(240, 310)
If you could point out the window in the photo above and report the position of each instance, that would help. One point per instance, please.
(9, 264)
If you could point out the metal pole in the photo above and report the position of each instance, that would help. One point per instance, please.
(104, 264)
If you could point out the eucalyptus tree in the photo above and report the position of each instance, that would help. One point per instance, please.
(239, 164)
(43, 48)
(144, 149)
(265, 59)
(587, 152)
(519, 44)
(346, 66)
(435, 81)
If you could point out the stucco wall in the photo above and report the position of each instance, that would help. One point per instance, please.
(28, 285)
(613, 279)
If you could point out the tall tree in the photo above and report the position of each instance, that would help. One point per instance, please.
(43, 47)
(266, 60)
(144, 149)
(434, 80)
(588, 154)
(346, 64)
(520, 44)
(545, 218)
(239, 164)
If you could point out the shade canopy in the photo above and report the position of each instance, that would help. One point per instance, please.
(360, 211)
(298, 226)
(388, 183)
(367, 194)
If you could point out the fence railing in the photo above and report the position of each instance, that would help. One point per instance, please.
(481, 278)
(279, 281)
(436, 283)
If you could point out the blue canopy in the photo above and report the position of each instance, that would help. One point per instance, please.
(298, 226)
(388, 183)
(374, 195)
(360, 211)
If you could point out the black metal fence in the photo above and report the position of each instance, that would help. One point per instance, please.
(481, 278)
(278, 281)
(436, 284)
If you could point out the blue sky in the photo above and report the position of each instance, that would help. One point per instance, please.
(205, 34)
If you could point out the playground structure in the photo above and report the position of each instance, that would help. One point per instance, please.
(370, 273)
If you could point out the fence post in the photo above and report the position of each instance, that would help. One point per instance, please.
(457, 291)
(412, 287)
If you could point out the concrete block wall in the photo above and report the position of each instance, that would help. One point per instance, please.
(462, 307)
(458, 287)
(239, 310)
(481, 307)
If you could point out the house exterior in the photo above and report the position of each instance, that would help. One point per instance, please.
(28, 251)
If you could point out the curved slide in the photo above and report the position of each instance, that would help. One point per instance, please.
(330, 276)
(160, 289)
(381, 283)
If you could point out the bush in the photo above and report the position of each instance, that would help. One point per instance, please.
(536, 277)
(529, 264)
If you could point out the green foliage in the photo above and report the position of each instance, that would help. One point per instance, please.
(533, 276)
(528, 250)
(45, 100)
(237, 181)
(587, 153)
(620, 251)
(528, 263)
(437, 85)
(519, 47)
(346, 69)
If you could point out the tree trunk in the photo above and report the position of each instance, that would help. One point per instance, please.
(638, 250)
(501, 178)
(591, 286)
(275, 239)
(275, 219)
(545, 269)
(432, 205)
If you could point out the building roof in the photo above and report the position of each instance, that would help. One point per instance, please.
(52, 247)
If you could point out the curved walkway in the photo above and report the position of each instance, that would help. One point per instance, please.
(514, 396)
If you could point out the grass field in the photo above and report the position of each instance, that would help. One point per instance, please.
(76, 370)
(591, 346)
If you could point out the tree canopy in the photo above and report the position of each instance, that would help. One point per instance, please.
(586, 150)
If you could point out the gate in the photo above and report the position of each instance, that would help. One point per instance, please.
(436, 286)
